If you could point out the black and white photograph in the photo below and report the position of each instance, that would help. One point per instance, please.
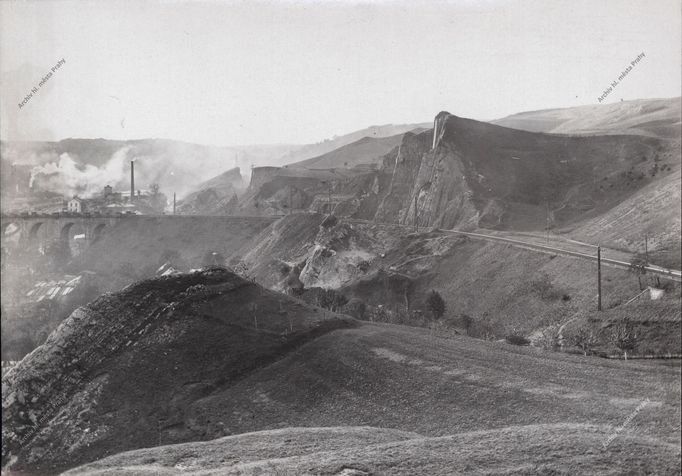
(341, 237)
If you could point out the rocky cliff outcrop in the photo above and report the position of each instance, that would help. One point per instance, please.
(124, 371)
(466, 173)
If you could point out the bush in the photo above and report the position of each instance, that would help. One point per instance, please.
(364, 266)
(356, 308)
(379, 314)
(329, 221)
(516, 339)
(549, 338)
(435, 304)
(638, 264)
(284, 269)
(467, 321)
(326, 298)
(542, 285)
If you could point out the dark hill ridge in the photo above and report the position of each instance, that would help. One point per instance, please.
(121, 372)
(480, 174)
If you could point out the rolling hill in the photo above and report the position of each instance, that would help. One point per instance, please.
(187, 359)
(649, 117)
(362, 451)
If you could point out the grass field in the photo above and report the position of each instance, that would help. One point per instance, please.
(206, 364)
(461, 405)
(562, 449)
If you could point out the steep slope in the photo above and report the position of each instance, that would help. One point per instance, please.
(361, 451)
(390, 270)
(653, 213)
(368, 150)
(280, 190)
(650, 117)
(123, 371)
(471, 173)
(216, 196)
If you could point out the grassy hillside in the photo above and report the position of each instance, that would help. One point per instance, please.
(538, 449)
(502, 288)
(654, 212)
(205, 355)
(651, 117)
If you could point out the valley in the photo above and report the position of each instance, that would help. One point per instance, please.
(296, 305)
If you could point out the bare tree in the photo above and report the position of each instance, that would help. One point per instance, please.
(584, 338)
(624, 336)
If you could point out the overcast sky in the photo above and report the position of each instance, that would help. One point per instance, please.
(283, 72)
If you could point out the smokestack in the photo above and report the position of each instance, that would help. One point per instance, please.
(132, 180)
(173, 203)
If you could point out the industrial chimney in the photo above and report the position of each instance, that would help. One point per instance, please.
(132, 181)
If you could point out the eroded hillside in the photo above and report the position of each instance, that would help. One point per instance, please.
(123, 371)
(202, 368)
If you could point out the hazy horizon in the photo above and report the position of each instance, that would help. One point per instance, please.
(236, 73)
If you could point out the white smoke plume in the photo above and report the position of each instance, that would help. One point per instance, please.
(68, 178)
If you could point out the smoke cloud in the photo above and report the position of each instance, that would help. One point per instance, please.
(67, 177)
(174, 169)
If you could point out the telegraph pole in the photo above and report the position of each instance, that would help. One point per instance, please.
(598, 278)
(173, 203)
(547, 225)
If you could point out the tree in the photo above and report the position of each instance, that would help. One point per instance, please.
(435, 304)
(584, 338)
(624, 336)
(330, 299)
(467, 321)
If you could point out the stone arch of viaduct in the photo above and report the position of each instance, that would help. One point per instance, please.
(41, 230)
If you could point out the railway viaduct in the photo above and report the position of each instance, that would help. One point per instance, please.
(38, 230)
